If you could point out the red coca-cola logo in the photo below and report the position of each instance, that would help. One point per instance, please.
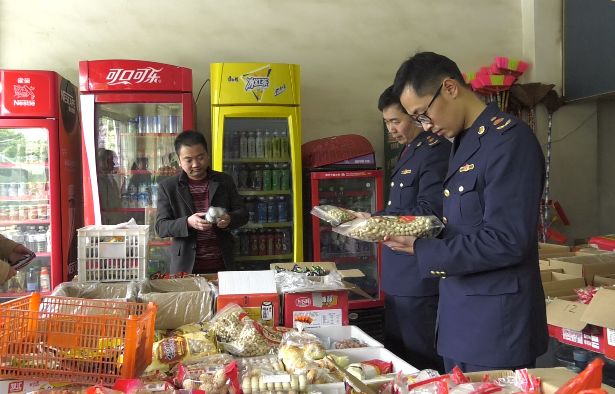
(303, 302)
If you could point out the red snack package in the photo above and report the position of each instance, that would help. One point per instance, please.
(589, 378)
(458, 377)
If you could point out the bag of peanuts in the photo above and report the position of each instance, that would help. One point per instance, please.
(332, 214)
(375, 228)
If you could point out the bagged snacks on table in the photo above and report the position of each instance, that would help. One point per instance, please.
(241, 336)
(187, 348)
(375, 228)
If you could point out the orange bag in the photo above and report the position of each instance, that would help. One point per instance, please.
(588, 380)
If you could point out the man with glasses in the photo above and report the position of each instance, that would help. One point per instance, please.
(491, 312)
(411, 302)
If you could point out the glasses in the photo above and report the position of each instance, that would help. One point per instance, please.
(423, 118)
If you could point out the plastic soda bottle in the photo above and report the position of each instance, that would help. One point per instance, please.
(268, 146)
(260, 145)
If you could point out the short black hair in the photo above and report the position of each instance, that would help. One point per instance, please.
(189, 138)
(424, 72)
(388, 98)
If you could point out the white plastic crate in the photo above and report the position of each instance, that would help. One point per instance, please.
(110, 254)
(330, 334)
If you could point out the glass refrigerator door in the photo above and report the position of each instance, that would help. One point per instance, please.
(256, 155)
(134, 152)
(358, 194)
(24, 205)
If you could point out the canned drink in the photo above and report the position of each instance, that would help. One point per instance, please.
(262, 244)
(282, 209)
(23, 212)
(134, 200)
(133, 126)
(172, 124)
(261, 210)
(272, 210)
(253, 244)
(13, 190)
(4, 214)
(277, 246)
(32, 212)
(244, 243)
(142, 199)
(141, 124)
(275, 178)
(154, 124)
(13, 213)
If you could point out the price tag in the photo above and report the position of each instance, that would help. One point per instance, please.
(610, 336)
(572, 335)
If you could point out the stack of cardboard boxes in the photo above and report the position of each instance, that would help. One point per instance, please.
(255, 292)
(572, 322)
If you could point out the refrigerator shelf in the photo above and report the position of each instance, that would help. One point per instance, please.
(24, 199)
(23, 165)
(252, 226)
(148, 135)
(143, 209)
(263, 258)
(350, 193)
(255, 160)
(263, 192)
(14, 222)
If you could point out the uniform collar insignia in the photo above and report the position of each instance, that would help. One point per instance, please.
(497, 121)
(466, 168)
(419, 143)
(504, 125)
(406, 171)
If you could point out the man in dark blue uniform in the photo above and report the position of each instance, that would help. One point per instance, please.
(492, 311)
(411, 302)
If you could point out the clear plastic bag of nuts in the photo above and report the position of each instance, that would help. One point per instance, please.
(375, 228)
(332, 214)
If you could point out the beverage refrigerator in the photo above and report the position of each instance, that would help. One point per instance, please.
(132, 111)
(256, 138)
(359, 190)
(40, 175)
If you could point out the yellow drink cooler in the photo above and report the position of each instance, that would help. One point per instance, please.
(256, 138)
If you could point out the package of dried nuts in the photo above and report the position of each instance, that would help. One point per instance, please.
(375, 228)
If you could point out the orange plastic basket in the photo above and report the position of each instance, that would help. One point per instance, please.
(74, 339)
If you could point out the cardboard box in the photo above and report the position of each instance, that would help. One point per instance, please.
(565, 323)
(325, 308)
(558, 284)
(254, 291)
(545, 273)
(586, 266)
(600, 312)
(604, 280)
(330, 266)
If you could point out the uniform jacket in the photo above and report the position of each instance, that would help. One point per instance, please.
(416, 189)
(492, 309)
(175, 206)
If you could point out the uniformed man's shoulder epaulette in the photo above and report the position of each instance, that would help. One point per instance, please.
(503, 122)
(433, 140)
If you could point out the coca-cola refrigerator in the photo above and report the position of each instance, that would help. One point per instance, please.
(132, 111)
(40, 175)
(359, 190)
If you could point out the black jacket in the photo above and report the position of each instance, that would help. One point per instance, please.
(175, 206)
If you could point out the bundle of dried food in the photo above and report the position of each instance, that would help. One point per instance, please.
(375, 228)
